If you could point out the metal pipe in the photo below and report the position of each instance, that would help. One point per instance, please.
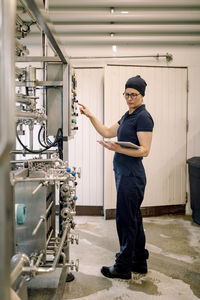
(133, 17)
(23, 100)
(39, 259)
(42, 219)
(50, 235)
(50, 252)
(157, 56)
(64, 257)
(125, 4)
(105, 39)
(66, 231)
(49, 207)
(40, 83)
(31, 136)
(51, 247)
(21, 179)
(40, 270)
(20, 260)
(26, 152)
(46, 160)
(128, 28)
(37, 59)
(30, 115)
(37, 189)
(16, 272)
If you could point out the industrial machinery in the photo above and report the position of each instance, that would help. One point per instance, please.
(44, 115)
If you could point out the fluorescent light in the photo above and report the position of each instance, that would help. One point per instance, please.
(124, 12)
(114, 48)
(112, 10)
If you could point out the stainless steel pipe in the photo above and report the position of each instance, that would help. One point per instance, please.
(41, 270)
(19, 261)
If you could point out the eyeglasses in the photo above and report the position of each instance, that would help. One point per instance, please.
(127, 95)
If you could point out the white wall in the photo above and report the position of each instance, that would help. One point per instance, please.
(84, 151)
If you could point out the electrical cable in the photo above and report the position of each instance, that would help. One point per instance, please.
(57, 138)
(49, 142)
(57, 141)
(42, 127)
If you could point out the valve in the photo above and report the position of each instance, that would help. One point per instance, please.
(74, 265)
(74, 237)
(65, 191)
(66, 213)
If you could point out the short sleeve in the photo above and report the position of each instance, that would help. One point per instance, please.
(121, 120)
(144, 122)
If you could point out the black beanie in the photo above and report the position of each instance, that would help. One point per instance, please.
(136, 83)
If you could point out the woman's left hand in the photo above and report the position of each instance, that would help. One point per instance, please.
(110, 146)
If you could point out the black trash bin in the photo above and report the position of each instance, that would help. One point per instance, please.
(194, 179)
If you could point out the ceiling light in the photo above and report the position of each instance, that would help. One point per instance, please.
(112, 10)
(124, 12)
(114, 48)
(112, 34)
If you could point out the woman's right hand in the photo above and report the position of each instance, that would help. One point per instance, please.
(85, 111)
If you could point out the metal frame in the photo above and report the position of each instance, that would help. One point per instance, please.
(38, 59)
(35, 12)
(63, 82)
(7, 123)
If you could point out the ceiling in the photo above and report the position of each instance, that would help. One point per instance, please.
(91, 26)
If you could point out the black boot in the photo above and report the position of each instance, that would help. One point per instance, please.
(140, 267)
(112, 273)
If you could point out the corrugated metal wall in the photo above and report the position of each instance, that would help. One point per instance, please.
(88, 154)
(166, 100)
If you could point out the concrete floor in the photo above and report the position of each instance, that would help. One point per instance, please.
(174, 264)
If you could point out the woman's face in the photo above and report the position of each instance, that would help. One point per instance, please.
(133, 98)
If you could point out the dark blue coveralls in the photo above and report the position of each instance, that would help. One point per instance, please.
(130, 183)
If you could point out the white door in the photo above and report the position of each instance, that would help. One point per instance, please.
(84, 151)
(166, 100)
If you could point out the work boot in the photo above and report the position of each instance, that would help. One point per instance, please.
(139, 267)
(111, 272)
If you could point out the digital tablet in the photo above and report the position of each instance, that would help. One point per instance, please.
(127, 145)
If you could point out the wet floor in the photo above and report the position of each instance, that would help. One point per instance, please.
(174, 263)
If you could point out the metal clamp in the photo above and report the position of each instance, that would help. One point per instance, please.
(74, 265)
(74, 237)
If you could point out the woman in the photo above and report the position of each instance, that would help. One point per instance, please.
(135, 126)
